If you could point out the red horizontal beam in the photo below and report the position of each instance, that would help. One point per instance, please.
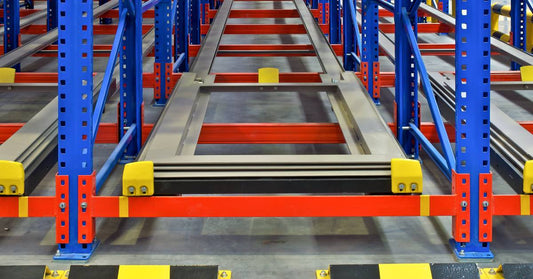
(271, 133)
(115, 14)
(273, 206)
(253, 77)
(271, 13)
(193, 49)
(44, 206)
(111, 29)
(258, 29)
(422, 28)
(511, 204)
(22, 12)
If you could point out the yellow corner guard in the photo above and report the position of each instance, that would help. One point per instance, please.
(138, 179)
(528, 177)
(11, 178)
(7, 75)
(268, 75)
(526, 73)
(406, 176)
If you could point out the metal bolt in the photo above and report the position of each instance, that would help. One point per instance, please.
(62, 205)
(531, 187)
(13, 188)
(492, 271)
(131, 189)
(144, 189)
(334, 80)
(323, 273)
(462, 252)
(223, 274)
(6, 229)
(485, 204)
(83, 205)
(55, 274)
(413, 187)
(464, 204)
(2, 188)
(401, 186)
(58, 253)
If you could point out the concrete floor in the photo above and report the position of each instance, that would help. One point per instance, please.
(263, 247)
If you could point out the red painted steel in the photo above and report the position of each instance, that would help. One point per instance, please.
(86, 224)
(264, 13)
(62, 205)
(461, 220)
(485, 210)
(422, 28)
(111, 29)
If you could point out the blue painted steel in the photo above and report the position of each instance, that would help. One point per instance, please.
(386, 5)
(414, 6)
(335, 22)
(204, 9)
(163, 45)
(370, 45)
(196, 17)
(149, 4)
(181, 37)
(178, 63)
(406, 84)
(131, 87)
(472, 110)
(445, 6)
(75, 101)
(108, 76)
(357, 59)
(314, 4)
(518, 27)
(323, 12)
(426, 85)
(51, 16)
(104, 20)
(350, 33)
(431, 150)
(529, 5)
(11, 26)
(358, 40)
(113, 159)
(28, 4)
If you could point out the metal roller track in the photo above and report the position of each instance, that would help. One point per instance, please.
(28, 49)
(172, 143)
(35, 144)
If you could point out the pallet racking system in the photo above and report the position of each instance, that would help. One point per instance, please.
(179, 27)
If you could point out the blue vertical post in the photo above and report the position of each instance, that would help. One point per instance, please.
(518, 27)
(75, 105)
(28, 4)
(349, 37)
(322, 8)
(163, 51)
(51, 15)
(181, 36)
(131, 89)
(370, 51)
(334, 22)
(406, 84)
(314, 4)
(196, 17)
(472, 117)
(205, 10)
(104, 20)
(11, 26)
(445, 6)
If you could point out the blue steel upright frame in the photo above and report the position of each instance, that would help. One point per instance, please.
(11, 26)
(370, 48)
(335, 22)
(518, 27)
(163, 51)
(51, 14)
(181, 37)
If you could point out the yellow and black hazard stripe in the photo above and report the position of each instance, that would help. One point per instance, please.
(401, 271)
(115, 272)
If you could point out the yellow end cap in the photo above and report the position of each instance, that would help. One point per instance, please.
(528, 177)
(406, 176)
(7, 75)
(268, 75)
(138, 179)
(526, 73)
(11, 178)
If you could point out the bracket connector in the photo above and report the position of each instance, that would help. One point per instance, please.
(11, 178)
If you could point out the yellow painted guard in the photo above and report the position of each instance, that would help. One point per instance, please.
(528, 177)
(224, 274)
(11, 178)
(406, 176)
(7, 75)
(268, 75)
(411, 271)
(23, 207)
(143, 272)
(424, 205)
(525, 205)
(123, 207)
(491, 273)
(526, 73)
(322, 274)
(138, 179)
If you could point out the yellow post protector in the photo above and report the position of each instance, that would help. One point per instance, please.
(406, 176)
(143, 271)
(526, 73)
(268, 75)
(7, 75)
(528, 177)
(138, 179)
(411, 271)
(11, 178)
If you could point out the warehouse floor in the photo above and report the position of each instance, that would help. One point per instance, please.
(263, 247)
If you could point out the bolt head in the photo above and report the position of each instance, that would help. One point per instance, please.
(83, 205)
(532, 187)
(131, 189)
(323, 273)
(13, 188)
(492, 271)
(2, 188)
(223, 274)
(462, 252)
(62, 205)
(464, 204)
(485, 204)
(401, 186)
(413, 186)
(144, 189)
